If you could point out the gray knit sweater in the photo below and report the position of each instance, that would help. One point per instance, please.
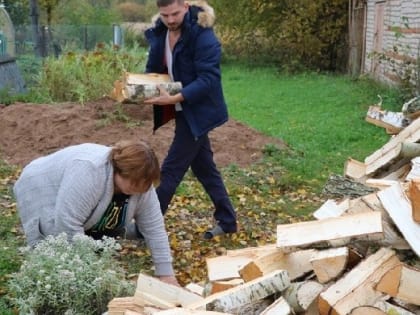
(69, 191)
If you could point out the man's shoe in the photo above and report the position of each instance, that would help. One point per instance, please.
(217, 230)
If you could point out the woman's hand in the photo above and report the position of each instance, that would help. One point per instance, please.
(169, 280)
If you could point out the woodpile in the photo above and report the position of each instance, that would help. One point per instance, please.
(358, 256)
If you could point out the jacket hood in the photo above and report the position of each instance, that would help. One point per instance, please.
(200, 10)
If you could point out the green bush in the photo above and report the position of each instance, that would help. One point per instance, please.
(62, 277)
(85, 76)
(293, 34)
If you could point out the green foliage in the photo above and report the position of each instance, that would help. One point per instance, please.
(135, 12)
(29, 67)
(78, 12)
(62, 277)
(134, 37)
(18, 11)
(85, 76)
(293, 34)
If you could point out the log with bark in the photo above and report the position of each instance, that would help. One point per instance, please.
(411, 108)
(232, 300)
(135, 88)
(393, 122)
(340, 187)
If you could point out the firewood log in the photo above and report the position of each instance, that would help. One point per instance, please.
(135, 88)
(319, 233)
(253, 291)
(300, 295)
(357, 287)
(402, 282)
(152, 291)
(278, 307)
(367, 310)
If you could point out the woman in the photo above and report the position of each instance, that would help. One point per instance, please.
(96, 190)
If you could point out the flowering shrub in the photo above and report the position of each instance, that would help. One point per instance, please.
(62, 277)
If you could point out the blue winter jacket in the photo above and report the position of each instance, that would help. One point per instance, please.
(196, 63)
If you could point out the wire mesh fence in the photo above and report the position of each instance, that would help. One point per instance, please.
(54, 39)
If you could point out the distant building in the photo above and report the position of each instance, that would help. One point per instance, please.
(7, 33)
(384, 38)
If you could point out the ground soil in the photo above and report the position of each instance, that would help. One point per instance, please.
(28, 131)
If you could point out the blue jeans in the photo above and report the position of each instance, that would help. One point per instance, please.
(187, 151)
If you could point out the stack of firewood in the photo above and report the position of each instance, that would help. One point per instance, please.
(359, 256)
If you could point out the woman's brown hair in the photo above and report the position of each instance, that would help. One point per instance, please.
(136, 161)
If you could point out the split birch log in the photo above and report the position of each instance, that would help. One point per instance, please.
(219, 286)
(379, 183)
(253, 291)
(226, 267)
(367, 310)
(396, 203)
(389, 308)
(150, 310)
(118, 305)
(300, 295)
(279, 307)
(412, 108)
(356, 288)
(195, 288)
(297, 264)
(355, 170)
(329, 264)
(185, 311)
(319, 233)
(401, 282)
(399, 174)
(414, 195)
(252, 252)
(393, 122)
(135, 88)
(330, 209)
(392, 149)
(312, 310)
(392, 237)
(414, 169)
(152, 291)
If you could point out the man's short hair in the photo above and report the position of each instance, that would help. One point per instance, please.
(164, 3)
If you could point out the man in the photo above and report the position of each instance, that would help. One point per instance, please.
(183, 45)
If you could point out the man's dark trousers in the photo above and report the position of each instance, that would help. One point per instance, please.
(186, 151)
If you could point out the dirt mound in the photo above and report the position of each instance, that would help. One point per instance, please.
(28, 131)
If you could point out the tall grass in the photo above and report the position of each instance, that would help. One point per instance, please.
(319, 116)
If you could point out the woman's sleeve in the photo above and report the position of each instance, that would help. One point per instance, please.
(150, 223)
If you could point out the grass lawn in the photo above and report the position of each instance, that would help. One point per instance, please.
(320, 117)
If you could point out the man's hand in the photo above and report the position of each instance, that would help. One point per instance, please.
(169, 280)
(164, 98)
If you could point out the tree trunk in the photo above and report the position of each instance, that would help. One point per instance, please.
(35, 28)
